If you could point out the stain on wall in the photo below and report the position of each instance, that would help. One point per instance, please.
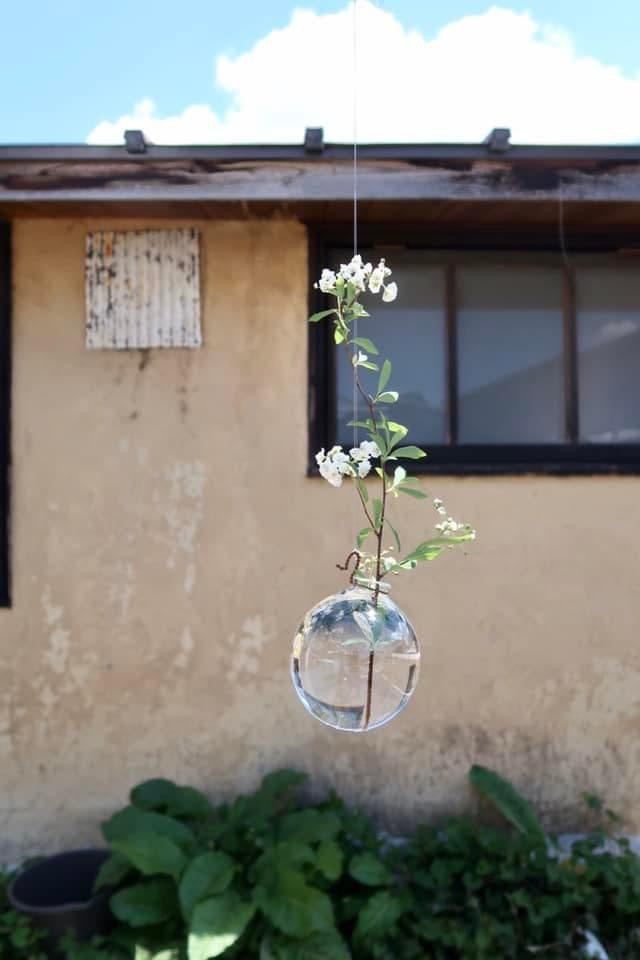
(161, 564)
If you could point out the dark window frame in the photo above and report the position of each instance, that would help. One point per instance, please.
(568, 458)
(5, 410)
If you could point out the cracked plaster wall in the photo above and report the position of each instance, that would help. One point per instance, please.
(166, 542)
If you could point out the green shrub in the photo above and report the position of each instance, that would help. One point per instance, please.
(267, 878)
(19, 938)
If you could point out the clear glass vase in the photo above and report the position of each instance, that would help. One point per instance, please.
(355, 659)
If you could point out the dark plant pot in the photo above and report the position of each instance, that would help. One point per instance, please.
(57, 894)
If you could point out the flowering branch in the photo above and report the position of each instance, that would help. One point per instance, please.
(385, 435)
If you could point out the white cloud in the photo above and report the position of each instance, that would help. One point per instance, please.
(498, 69)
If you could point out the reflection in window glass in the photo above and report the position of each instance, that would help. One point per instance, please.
(410, 332)
(608, 309)
(510, 344)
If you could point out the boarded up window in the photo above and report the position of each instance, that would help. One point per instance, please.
(142, 289)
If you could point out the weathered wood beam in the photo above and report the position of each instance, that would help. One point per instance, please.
(299, 182)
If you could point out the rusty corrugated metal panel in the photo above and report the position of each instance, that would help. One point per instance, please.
(142, 289)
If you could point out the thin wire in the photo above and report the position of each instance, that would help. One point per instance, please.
(355, 193)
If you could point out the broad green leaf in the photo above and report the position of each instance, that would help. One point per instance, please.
(132, 821)
(338, 336)
(395, 535)
(309, 826)
(379, 915)
(152, 901)
(368, 869)
(363, 490)
(366, 344)
(417, 494)
(167, 797)
(112, 871)
(216, 924)
(207, 874)
(511, 804)
(275, 794)
(357, 310)
(366, 424)
(410, 453)
(387, 396)
(321, 315)
(327, 945)
(362, 536)
(351, 292)
(329, 859)
(285, 855)
(293, 906)
(377, 513)
(385, 373)
(151, 853)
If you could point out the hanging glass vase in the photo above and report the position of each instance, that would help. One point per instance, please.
(355, 658)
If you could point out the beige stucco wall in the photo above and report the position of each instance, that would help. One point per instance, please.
(166, 542)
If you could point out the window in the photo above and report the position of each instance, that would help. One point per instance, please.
(504, 361)
(5, 402)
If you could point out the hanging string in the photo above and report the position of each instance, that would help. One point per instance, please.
(355, 193)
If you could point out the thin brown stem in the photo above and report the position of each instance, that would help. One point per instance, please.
(367, 707)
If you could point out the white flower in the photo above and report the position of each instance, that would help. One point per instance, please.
(359, 358)
(370, 448)
(364, 467)
(375, 280)
(399, 475)
(330, 472)
(388, 563)
(334, 465)
(390, 292)
(327, 281)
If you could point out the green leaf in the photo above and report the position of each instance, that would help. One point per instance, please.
(395, 535)
(362, 536)
(368, 869)
(329, 860)
(112, 871)
(338, 336)
(145, 903)
(310, 826)
(363, 490)
(385, 373)
(321, 315)
(377, 513)
(216, 924)
(167, 797)
(417, 494)
(131, 821)
(387, 396)
(410, 453)
(207, 874)
(152, 853)
(367, 364)
(327, 945)
(366, 424)
(379, 915)
(504, 796)
(293, 906)
(366, 344)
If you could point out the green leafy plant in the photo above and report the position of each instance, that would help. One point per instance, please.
(19, 937)
(267, 877)
(387, 438)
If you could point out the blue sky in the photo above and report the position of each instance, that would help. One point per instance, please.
(67, 66)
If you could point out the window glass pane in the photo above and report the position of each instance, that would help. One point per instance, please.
(410, 332)
(510, 344)
(608, 305)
